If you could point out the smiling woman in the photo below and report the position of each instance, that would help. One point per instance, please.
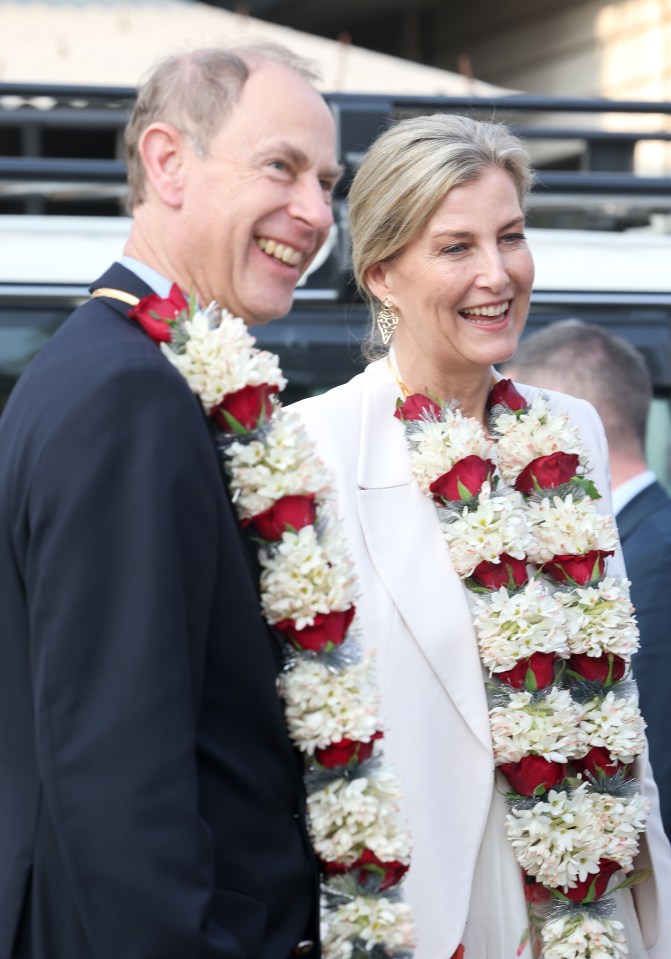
(461, 291)
(481, 629)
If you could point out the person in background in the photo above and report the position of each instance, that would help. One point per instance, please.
(589, 362)
(439, 251)
(152, 803)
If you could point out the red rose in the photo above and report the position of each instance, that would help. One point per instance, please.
(547, 472)
(346, 752)
(459, 953)
(287, 513)
(533, 773)
(597, 762)
(157, 314)
(578, 570)
(333, 868)
(327, 631)
(416, 407)
(595, 885)
(533, 672)
(535, 892)
(244, 410)
(607, 668)
(508, 572)
(390, 873)
(504, 393)
(463, 481)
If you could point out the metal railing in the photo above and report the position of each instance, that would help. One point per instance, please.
(37, 121)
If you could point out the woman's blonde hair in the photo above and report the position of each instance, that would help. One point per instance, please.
(408, 171)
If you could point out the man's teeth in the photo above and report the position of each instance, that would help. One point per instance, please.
(281, 251)
(496, 310)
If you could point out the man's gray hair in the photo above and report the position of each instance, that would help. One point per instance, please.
(195, 92)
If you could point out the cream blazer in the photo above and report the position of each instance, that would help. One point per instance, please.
(414, 611)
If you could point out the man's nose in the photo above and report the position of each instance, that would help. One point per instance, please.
(312, 203)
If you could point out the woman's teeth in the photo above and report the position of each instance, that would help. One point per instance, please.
(490, 311)
(280, 251)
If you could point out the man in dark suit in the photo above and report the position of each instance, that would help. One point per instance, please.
(589, 362)
(151, 803)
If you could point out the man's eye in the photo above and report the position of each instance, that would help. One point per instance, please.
(512, 238)
(279, 165)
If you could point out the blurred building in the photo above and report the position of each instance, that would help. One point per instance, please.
(611, 48)
(113, 42)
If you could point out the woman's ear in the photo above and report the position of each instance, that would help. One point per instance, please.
(375, 279)
(162, 148)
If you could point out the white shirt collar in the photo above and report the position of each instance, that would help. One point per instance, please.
(625, 492)
(159, 283)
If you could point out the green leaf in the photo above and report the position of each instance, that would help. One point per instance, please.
(587, 486)
(530, 681)
(234, 424)
(633, 879)
(464, 493)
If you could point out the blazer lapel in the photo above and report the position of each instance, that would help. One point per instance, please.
(403, 537)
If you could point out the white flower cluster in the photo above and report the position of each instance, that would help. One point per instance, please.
(305, 574)
(281, 463)
(435, 446)
(498, 525)
(349, 816)
(560, 840)
(537, 432)
(512, 627)
(614, 724)
(220, 357)
(546, 726)
(600, 618)
(584, 937)
(568, 527)
(376, 922)
(324, 705)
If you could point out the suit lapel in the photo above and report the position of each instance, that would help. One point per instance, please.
(403, 537)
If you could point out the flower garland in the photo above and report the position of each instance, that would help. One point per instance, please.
(308, 591)
(555, 634)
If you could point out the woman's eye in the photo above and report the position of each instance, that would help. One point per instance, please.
(452, 250)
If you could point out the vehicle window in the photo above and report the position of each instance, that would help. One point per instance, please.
(23, 330)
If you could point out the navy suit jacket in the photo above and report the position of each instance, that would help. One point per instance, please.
(644, 525)
(151, 803)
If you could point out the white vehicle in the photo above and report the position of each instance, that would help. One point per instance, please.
(68, 143)
(618, 280)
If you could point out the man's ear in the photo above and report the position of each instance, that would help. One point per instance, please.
(163, 148)
(376, 281)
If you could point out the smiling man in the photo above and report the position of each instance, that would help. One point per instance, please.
(152, 803)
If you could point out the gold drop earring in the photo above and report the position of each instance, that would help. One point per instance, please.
(387, 320)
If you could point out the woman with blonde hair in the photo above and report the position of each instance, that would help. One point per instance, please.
(492, 580)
